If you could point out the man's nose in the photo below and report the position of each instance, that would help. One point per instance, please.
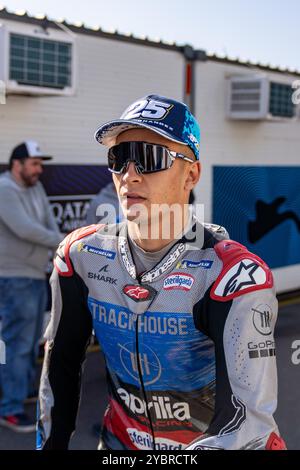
(130, 173)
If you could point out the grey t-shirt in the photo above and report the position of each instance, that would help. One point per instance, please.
(27, 229)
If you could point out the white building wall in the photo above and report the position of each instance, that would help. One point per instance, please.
(111, 75)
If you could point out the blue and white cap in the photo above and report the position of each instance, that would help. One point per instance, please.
(169, 118)
(28, 149)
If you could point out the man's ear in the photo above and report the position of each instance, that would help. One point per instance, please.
(16, 165)
(193, 175)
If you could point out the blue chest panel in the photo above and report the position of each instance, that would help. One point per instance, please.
(164, 348)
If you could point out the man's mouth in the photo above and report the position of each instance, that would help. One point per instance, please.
(133, 198)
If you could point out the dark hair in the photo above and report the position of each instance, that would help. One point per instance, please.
(12, 160)
(191, 197)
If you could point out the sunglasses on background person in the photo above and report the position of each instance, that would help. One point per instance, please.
(148, 158)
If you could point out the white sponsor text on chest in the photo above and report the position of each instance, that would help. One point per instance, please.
(164, 325)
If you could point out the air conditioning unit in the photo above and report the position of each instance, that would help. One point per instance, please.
(37, 61)
(248, 97)
(256, 97)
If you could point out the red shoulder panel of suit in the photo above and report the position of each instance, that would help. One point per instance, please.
(234, 254)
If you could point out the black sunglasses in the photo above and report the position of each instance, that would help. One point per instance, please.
(148, 158)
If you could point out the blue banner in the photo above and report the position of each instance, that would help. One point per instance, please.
(260, 208)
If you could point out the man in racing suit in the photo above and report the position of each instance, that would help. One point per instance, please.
(185, 322)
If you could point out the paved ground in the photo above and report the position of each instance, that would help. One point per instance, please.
(94, 392)
(288, 411)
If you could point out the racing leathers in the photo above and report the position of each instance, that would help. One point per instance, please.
(188, 345)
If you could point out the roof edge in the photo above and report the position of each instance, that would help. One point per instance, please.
(188, 51)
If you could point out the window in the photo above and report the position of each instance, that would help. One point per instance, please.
(40, 62)
(280, 103)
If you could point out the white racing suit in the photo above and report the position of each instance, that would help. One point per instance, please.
(188, 345)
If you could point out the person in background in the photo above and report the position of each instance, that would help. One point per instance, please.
(27, 231)
(106, 195)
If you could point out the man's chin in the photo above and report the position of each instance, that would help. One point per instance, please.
(31, 181)
(133, 217)
(136, 212)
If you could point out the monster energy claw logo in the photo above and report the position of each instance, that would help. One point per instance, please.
(262, 318)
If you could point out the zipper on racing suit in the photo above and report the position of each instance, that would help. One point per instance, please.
(140, 371)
